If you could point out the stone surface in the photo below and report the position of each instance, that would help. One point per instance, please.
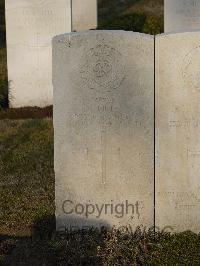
(31, 25)
(103, 126)
(84, 15)
(182, 15)
(177, 131)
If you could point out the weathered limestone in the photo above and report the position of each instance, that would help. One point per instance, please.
(182, 15)
(103, 126)
(84, 15)
(177, 131)
(30, 27)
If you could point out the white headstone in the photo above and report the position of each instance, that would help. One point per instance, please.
(182, 15)
(84, 15)
(30, 27)
(103, 126)
(177, 131)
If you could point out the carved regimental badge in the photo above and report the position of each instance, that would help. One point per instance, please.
(103, 68)
(191, 68)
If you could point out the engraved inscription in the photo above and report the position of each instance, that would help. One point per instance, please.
(193, 154)
(103, 119)
(182, 195)
(184, 123)
(103, 153)
(191, 68)
(103, 68)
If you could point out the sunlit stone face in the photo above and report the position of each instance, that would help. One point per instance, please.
(84, 15)
(177, 131)
(182, 15)
(30, 27)
(103, 126)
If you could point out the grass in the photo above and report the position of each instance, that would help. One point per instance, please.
(3, 67)
(3, 79)
(105, 248)
(133, 15)
(27, 177)
(26, 113)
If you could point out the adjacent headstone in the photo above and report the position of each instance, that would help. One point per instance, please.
(103, 126)
(182, 15)
(30, 27)
(177, 131)
(84, 15)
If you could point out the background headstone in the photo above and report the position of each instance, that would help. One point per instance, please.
(177, 131)
(181, 15)
(103, 126)
(30, 27)
(84, 15)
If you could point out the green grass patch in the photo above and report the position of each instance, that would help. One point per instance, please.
(26, 172)
(3, 79)
(145, 16)
(128, 22)
(26, 113)
(136, 22)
